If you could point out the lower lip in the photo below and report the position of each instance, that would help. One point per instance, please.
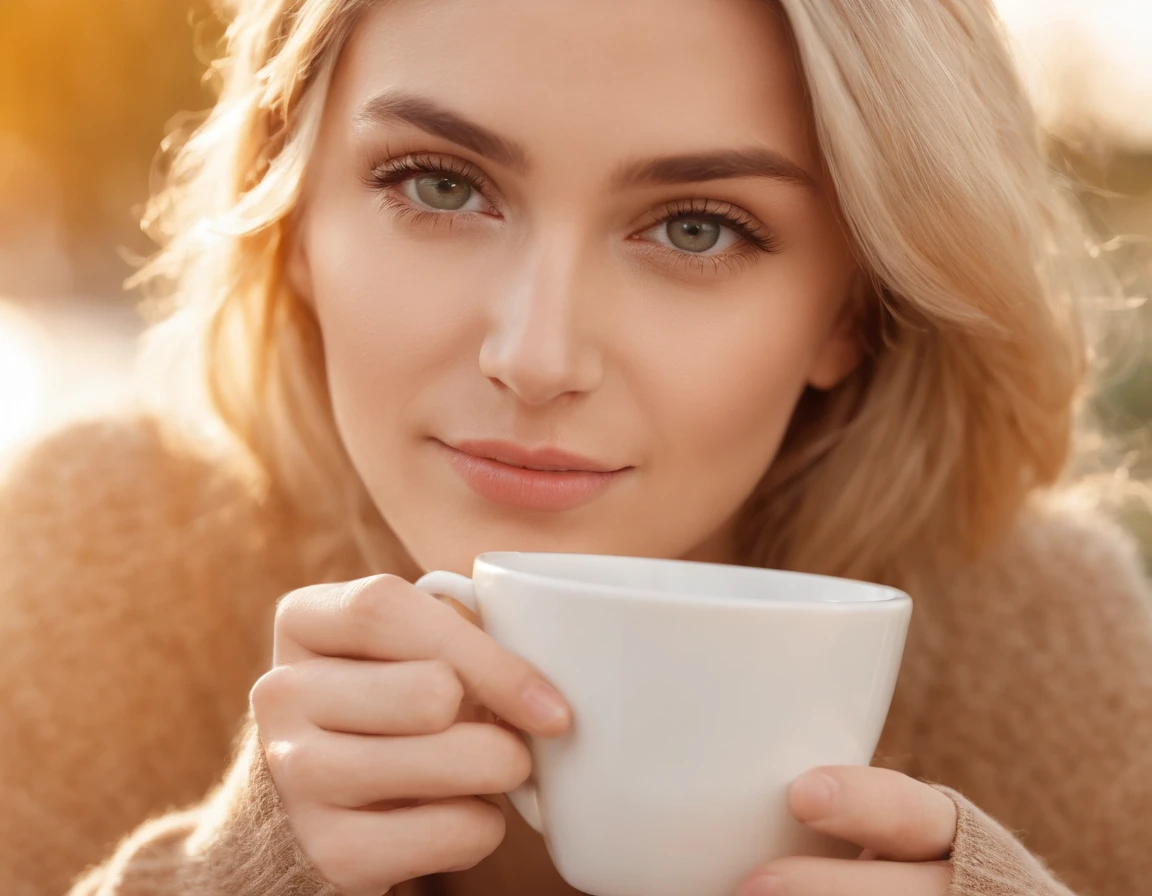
(529, 489)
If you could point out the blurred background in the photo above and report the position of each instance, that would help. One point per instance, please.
(89, 90)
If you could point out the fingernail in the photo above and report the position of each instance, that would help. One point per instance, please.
(545, 704)
(763, 885)
(813, 796)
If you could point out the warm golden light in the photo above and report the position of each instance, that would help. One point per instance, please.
(1088, 64)
(23, 376)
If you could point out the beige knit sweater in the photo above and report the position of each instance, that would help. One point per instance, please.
(137, 586)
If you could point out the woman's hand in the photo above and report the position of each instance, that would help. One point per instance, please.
(363, 724)
(904, 826)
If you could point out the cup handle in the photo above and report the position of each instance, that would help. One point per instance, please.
(460, 588)
(450, 584)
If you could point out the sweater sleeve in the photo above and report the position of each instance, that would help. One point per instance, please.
(237, 843)
(988, 860)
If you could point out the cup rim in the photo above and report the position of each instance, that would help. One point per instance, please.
(881, 597)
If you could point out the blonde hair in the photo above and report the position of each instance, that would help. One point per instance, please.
(972, 255)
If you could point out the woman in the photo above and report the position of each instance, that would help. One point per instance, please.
(781, 285)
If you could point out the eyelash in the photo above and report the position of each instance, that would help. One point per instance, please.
(395, 171)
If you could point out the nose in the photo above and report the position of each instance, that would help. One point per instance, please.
(540, 341)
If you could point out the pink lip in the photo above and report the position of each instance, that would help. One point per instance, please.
(498, 471)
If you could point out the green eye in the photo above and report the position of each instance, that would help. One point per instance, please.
(441, 192)
(693, 234)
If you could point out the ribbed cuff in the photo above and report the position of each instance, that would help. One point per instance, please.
(239, 842)
(987, 860)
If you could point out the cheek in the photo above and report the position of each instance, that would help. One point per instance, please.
(728, 392)
(374, 296)
(732, 403)
(388, 301)
(393, 316)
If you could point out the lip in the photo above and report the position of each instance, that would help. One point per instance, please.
(545, 478)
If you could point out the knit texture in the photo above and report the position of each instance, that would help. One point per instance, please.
(138, 582)
(238, 842)
(991, 861)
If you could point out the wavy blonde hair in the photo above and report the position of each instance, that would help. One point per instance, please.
(973, 256)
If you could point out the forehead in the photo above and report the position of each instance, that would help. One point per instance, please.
(649, 75)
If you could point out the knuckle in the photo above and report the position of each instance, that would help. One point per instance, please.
(298, 602)
(505, 759)
(467, 834)
(441, 681)
(435, 717)
(442, 694)
(370, 602)
(446, 833)
(272, 690)
(286, 606)
(300, 767)
(282, 760)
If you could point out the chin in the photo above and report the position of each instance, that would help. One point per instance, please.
(454, 544)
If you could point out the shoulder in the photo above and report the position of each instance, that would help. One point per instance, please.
(90, 478)
(122, 520)
(1060, 534)
(1065, 588)
(1063, 556)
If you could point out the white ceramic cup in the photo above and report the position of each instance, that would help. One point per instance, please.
(699, 692)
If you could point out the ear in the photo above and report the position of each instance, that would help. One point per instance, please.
(843, 348)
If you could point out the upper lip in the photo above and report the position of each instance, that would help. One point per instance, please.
(546, 457)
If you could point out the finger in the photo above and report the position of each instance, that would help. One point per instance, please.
(370, 852)
(474, 712)
(351, 771)
(470, 711)
(804, 876)
(891, 814)
(459, 608)
(386, 618)
(357, 697)
(377, 618)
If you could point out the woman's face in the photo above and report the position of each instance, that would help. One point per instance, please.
(579, 226)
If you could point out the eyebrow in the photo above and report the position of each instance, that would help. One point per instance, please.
(392, 107)
(721, 164)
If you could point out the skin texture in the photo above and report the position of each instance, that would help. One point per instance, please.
(563, 305)
(904, 826)
(557, 313)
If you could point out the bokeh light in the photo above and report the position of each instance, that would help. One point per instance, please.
(1088, 65)
(24, 362)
